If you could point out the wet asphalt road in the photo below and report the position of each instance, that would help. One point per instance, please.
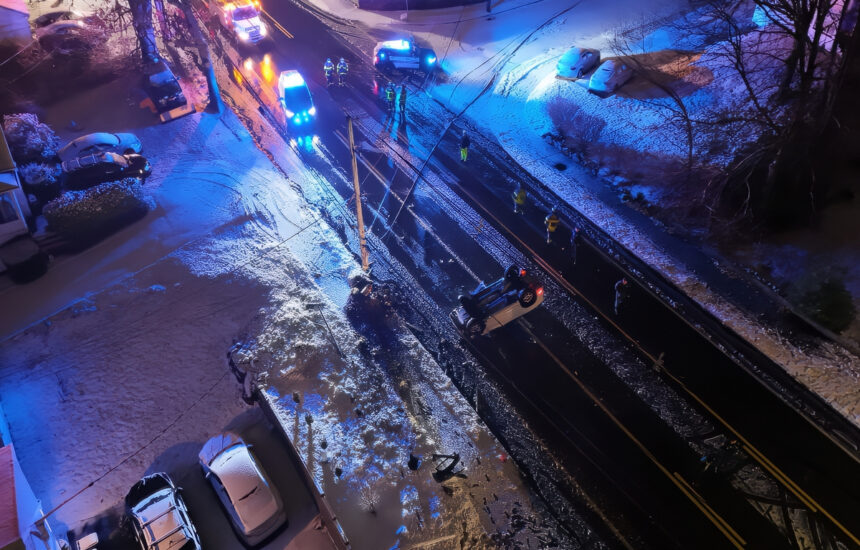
(644, 479)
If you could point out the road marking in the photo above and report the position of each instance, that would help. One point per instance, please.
(277, 25)
(676, 478)
(757, 455)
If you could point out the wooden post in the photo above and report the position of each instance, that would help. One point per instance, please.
(362, 242)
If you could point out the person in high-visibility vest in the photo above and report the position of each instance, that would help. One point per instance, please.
(328, 69)
(342, 70)
(519, 200)
(402, 100)
(551, 222)
(390, 96)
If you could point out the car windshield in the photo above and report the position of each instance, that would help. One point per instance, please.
(165, 82)
(297, 98)
(244, 12)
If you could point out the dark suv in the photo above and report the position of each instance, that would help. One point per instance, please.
(162, 86)
(88, 170)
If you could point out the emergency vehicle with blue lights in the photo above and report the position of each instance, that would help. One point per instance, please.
(295, 98)
(403, 54)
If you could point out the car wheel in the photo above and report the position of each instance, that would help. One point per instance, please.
(527, 297)
(511, 273)
(475, 327)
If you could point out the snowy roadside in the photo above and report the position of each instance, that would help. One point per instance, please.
(474, 48)
(132, 373)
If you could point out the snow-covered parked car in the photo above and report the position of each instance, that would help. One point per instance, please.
(609, 76)
(89, 170)
(252, 502)
(159, 516)
(68, 35)
(494, 305)
(124, 144)
(403, 54)
(576, 62)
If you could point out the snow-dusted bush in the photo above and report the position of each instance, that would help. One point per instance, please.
(823, 296)
(41, 179)
(579, 128)
(29, 139)
(87, 216)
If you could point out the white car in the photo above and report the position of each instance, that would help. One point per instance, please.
(576, 62)
(494, 305)
(610, 76)
(253, 504)
(123, 144)
(159, 516)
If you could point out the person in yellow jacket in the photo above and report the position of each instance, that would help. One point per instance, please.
(519, 200)
(551, 222)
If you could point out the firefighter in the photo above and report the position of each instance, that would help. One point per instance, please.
(551, 222)
(328, 68)
(622, 291)
(519, 200)
(342, 69)
(465, 142)
(390, 96)
(402, 101)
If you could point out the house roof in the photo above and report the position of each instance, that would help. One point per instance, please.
(8, 503)
(15, 5)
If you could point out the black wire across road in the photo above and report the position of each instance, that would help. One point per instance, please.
(697, 356)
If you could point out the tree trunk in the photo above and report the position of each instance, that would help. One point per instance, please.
(215, 103)
(141, 14)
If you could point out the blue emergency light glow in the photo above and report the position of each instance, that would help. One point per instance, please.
(397, 44)
(291, 79)
(431, 60)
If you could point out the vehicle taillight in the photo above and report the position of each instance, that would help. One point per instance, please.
(522, 272)
(540, 291)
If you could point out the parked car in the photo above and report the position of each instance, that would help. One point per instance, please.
(295, 98)
(54, 16)
(494, 305)
(88, 170)
(403, 54)
(123, 144)
(609, 76)
(159, 516)
(68, 35)
(252, 502)
(576, 62)
(162, 86)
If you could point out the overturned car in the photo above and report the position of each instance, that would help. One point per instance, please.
(494, 305)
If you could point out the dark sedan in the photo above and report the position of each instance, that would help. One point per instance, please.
(89, 170)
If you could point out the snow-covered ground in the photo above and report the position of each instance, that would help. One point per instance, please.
(514, 51)
(115, 362)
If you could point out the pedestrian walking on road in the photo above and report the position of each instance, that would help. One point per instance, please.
(551, 222)
(575, 242)
(622, 292)
(519, 200)
(465, 142)
(402, 101)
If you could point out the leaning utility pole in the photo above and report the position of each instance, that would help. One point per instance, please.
(362, 242)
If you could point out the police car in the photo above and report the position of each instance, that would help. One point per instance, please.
(296, 99)
(403, 54)
(494, 305)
